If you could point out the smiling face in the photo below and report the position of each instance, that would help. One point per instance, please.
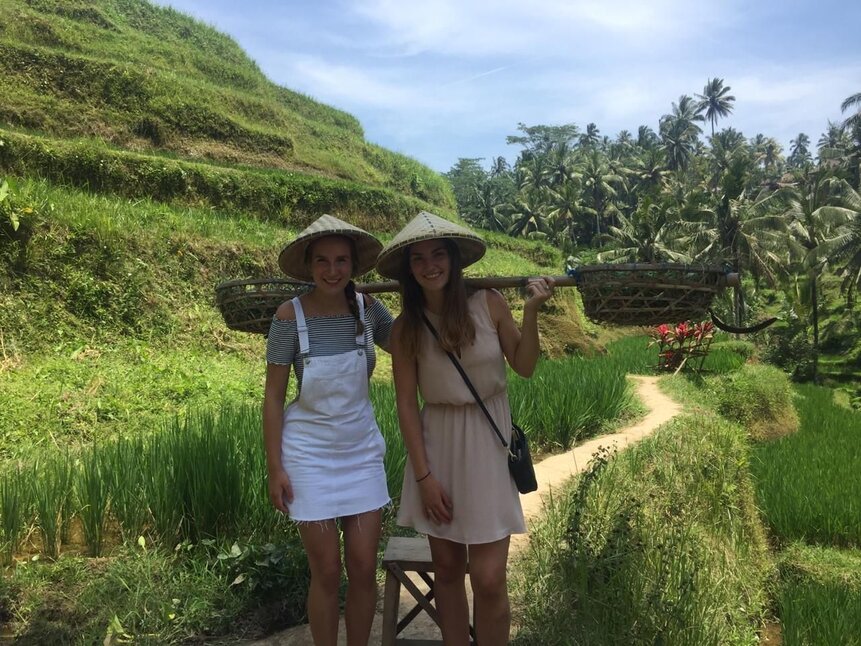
(430, 264)
(331, 262)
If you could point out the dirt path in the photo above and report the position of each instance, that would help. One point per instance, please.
(552, 473)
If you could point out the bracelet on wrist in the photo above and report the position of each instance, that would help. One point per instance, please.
(423, 477)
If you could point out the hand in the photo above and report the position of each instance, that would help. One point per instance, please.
(436, 504)
(538, 290)
(280, 490)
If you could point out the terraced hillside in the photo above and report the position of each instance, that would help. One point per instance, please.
(128, 74)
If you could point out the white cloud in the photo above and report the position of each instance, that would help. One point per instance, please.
(357, 86)
(509, 28)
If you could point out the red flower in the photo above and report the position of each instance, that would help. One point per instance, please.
(703, 330)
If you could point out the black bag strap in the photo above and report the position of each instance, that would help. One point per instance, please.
(468, 383)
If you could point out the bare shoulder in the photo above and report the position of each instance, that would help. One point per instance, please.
(497, 304)
(286, 312)
(368, 299)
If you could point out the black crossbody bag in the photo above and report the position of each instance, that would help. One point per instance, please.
(519, 458)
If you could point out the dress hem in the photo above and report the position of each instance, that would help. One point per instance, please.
(342, 515)
(462, 540)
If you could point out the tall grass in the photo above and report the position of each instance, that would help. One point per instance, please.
(51, 482)
(809, 483)
(569, 399)
(660, 545)
(126, 476)
(819, 601)
(203, 476)
(632, 354)
(385, 409)
(14, 512)
(92, 489)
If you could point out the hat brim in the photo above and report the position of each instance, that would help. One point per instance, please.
(471, 247)
(292, 257)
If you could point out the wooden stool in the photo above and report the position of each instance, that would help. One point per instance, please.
(408, 555)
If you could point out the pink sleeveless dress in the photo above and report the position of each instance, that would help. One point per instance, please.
(463, 452)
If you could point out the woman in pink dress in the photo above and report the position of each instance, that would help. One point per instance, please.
(457, 487)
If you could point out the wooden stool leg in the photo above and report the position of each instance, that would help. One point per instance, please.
(391, 606)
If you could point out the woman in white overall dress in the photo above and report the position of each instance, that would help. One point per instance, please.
(324, 451)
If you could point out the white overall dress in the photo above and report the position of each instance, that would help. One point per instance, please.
(331, 446)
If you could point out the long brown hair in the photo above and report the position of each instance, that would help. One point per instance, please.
(350, 289)
(456, 329)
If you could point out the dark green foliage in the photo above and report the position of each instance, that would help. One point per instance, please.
(789, 347)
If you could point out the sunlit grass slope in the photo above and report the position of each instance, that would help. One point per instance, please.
(151, 79)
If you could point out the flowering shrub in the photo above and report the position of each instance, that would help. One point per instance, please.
(677, 344)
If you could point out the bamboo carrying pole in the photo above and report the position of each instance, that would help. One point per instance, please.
(503, 282)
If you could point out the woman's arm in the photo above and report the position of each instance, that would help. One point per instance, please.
(520, 345)
(436, 503)
(275, 392)
(274, 395)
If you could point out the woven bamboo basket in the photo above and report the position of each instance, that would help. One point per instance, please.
(249, 305)
(648, 294)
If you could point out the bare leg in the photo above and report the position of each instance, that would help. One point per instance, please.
(487, 573)
(449, 560)
(323, 548)
(361, 539)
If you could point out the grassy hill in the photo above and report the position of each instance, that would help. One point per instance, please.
(129, 74)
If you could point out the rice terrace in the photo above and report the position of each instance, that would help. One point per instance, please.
(150, 172)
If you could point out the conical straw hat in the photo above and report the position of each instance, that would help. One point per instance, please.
(292, 257)
(427, 226)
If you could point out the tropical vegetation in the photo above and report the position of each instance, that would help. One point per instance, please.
(788, 223)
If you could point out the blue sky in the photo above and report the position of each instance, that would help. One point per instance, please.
(443, 79)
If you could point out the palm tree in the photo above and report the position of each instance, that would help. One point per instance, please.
(734, 231)
(590, 138)
(499, 166)
(560, 165)
(568, 212)
(853, 120)
(527, 217)
(844, 248)
(533, 177)
(716, 101)
(646, 138)
(814, 214)
(679, 132)
(644, 237)
(834, 138)
(766, 151)
(799, 154)
(599, 187)
(489, 213)
(726, 145)
(649, 172)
